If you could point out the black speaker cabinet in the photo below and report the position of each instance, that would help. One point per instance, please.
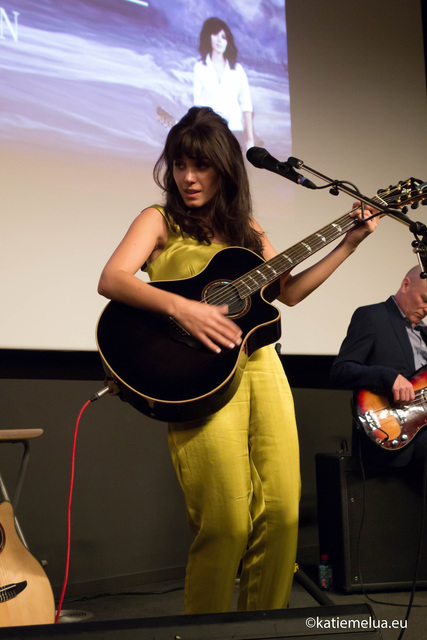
(369, 526)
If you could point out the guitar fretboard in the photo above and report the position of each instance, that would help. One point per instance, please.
(269, 271)
(404, 192)
(407, 191)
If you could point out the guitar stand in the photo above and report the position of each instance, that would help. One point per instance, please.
(311, 587)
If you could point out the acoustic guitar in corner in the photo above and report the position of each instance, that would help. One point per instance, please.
(26, 596)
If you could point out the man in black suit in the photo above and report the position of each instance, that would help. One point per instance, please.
(385, 344)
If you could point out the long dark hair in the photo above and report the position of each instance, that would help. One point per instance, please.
(203, 135)
(212, 26)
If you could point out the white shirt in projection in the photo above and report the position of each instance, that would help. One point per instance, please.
(228, 96)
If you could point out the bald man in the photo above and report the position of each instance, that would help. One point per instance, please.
(385, 344)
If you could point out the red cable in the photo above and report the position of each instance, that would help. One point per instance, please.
(67, 564)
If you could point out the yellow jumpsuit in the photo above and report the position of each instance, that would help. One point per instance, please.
(239, 471)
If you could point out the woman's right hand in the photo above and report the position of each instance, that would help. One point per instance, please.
(208, 323)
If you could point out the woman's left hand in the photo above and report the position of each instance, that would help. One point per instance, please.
(364, 229)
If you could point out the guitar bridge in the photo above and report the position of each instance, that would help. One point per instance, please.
(10, 591)
(177, 332)
(178, 327)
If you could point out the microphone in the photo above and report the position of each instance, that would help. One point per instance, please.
(261, 159)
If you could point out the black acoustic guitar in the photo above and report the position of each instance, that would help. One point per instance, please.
(167, 374)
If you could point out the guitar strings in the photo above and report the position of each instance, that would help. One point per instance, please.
(248, 283)
(244, 285)
(418, 402)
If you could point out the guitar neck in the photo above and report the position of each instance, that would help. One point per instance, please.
(269, 271)
(405, 192)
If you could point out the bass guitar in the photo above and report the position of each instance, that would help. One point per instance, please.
(26, 596)
(168, 375)
(393, 426)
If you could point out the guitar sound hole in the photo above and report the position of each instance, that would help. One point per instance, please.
(221, 292)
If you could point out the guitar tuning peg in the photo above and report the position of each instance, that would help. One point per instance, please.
(380, 191)
(415, 205)
(404, 209)
(424, 202)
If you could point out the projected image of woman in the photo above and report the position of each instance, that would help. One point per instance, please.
(220, 82)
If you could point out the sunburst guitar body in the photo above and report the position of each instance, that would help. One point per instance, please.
(393, 426)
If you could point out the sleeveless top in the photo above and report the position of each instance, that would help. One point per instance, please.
(182, 256)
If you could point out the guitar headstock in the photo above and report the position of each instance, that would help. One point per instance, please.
(165, 118)
(406, 192)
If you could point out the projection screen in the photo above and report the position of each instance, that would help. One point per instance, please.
(90, 89)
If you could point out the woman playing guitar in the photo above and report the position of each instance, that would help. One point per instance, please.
(239, 467)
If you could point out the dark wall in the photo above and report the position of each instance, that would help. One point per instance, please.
(127, 511)
(128, 516)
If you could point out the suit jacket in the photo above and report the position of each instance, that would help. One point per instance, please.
(375, 350)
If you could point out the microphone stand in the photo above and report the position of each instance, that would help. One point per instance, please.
(418, 229)
(420, 245)
(338, 185)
